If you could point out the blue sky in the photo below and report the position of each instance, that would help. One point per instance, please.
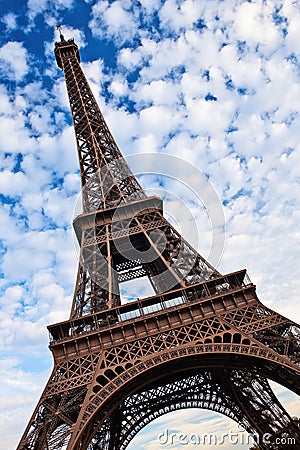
(215, 83)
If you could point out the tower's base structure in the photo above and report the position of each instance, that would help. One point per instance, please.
(204, 340)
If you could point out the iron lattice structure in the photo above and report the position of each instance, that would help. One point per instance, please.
(204, 340)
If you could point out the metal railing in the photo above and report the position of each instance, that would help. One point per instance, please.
(151, 305)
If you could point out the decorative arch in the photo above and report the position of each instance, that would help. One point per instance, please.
(236, 353)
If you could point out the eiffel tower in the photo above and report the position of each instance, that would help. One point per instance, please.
(203, 340)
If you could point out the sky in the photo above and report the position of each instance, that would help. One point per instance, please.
(214, 83)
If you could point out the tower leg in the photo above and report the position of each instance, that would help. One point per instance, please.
(271, 423)
(243, 397)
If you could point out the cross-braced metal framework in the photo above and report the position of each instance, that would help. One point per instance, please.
(106, 177)
(204, 340)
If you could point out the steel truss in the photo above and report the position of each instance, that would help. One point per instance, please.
(203, 340)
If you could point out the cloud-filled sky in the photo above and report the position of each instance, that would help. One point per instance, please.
(216, 83)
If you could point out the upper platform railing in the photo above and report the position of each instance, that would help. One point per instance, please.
(150, 305)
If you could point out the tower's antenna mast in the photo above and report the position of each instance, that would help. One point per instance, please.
(59, 29)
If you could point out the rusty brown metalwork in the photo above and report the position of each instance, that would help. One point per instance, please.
(204, 340)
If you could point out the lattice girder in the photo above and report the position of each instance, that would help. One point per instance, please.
(203, 389)
(105, 176)
(188, 330)
(268, 327)
(198, 390)
(158, 349)
(53, 419)
(109, 405)
(138, 234)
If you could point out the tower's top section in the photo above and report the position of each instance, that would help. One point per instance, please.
(106, 178)
(65, 48)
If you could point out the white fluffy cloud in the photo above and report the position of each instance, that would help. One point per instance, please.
(176, 16)
(13, 58)
(254, 24)
(10, 21)
(113, 19)
(48, 8)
